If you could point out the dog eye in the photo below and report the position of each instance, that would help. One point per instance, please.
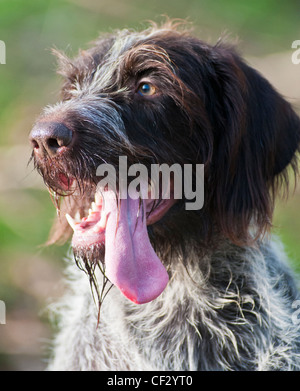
(146, 89)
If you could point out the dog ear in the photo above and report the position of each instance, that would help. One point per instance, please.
(256, 136)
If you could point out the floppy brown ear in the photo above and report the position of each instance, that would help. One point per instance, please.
(273, 121)
(257, 135)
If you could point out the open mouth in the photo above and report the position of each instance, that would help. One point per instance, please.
(119, 228)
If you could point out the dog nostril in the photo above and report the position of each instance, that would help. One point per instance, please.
(53, 143)
(50, 137)
(35, 144)
(61, 138)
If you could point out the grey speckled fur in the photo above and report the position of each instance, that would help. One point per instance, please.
(244, 322)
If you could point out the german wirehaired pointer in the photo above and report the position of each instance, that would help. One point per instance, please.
(169, 287)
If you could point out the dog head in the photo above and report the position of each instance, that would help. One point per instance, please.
(162, 96)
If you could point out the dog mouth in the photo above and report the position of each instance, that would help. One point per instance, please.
(115, 233)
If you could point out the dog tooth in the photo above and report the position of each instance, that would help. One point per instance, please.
(98, 198)
(71, 221)
(100, 226)
(77, 217)
(149, 190)
(94, 206)
(103, 220)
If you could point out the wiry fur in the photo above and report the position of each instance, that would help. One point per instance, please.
(228, 305)
(241, 323)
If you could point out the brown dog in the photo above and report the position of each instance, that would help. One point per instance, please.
(213, 292)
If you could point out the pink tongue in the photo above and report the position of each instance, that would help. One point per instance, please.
(130, 261)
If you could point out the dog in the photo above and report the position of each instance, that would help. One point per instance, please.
(168, 287)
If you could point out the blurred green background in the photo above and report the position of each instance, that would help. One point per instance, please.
(30, 274)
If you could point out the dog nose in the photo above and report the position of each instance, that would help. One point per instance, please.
(50, 138)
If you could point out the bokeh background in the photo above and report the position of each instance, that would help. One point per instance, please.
(31, 274)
